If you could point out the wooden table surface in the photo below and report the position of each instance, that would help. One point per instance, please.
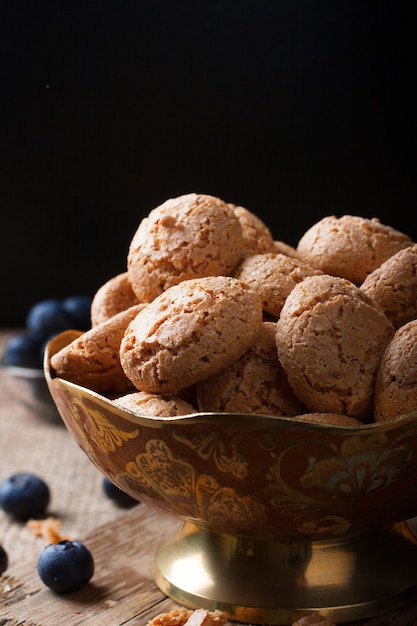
(123, 542)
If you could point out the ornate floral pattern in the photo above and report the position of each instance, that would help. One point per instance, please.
(360, 466)
(93, 426)
(189, 493)
(213, 446)
(107, 436)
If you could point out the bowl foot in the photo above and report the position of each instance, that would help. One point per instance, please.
(272, 582)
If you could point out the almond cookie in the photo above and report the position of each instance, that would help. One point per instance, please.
(92, 360)
(190, 332)
(330, 419)
(393, 286)
(330, 338)
(115, 296)
(280, 247)
(188, 237)
(273, 276)
(255, 383)
(257, 238)
(351, 247)
(154, 404)
(396, 382)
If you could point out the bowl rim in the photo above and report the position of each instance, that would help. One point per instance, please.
(65, 337)
(303, 424)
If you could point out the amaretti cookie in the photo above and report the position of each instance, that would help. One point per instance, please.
(273, 276)
(330, 419)
(191, 236)
(350, 246)
(257, 238)
(255, 383)
(156, 405)
(330, 338)
(393, 286)
(113, 297)
(396, 382)
(190, 332)
(280, 247)
(92, 360)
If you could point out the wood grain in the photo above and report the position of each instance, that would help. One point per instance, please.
(122, 590)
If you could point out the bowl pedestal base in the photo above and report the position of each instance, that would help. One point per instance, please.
(271, 582)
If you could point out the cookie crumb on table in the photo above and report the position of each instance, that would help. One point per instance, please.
(202, 617)
(187, 617)
(47, 528)
(110, 603)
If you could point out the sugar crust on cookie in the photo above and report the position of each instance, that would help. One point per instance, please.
(156, 405)
(393, 286)
(330, 338)
(350, 246)
(330, 419)
(273, 276)
(191, 236)
(257, 238)
(255, 383)
(191, 331)
(92, 360)
(113, 297)
(396, 382)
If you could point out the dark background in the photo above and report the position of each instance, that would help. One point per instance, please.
(295, 110)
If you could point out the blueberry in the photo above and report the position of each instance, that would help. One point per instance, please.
(47, 317)
(24, 495)
(120, 497)
(78, 308)
(23, 350)
(66, 566)
(4, 560)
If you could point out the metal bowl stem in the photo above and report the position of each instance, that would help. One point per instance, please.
(272, 582)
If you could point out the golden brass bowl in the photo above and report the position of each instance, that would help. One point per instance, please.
(279, 517)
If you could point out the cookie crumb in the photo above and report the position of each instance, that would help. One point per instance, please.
(186, 617)
(48, 529)
(110, 603)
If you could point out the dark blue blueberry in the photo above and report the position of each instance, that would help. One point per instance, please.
(4, 560)
(66, 566)
(48, 317)
(78, 309)
(24, 496)
(23, 350)
(120, 497)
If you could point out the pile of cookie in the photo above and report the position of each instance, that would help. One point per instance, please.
(212, 314)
